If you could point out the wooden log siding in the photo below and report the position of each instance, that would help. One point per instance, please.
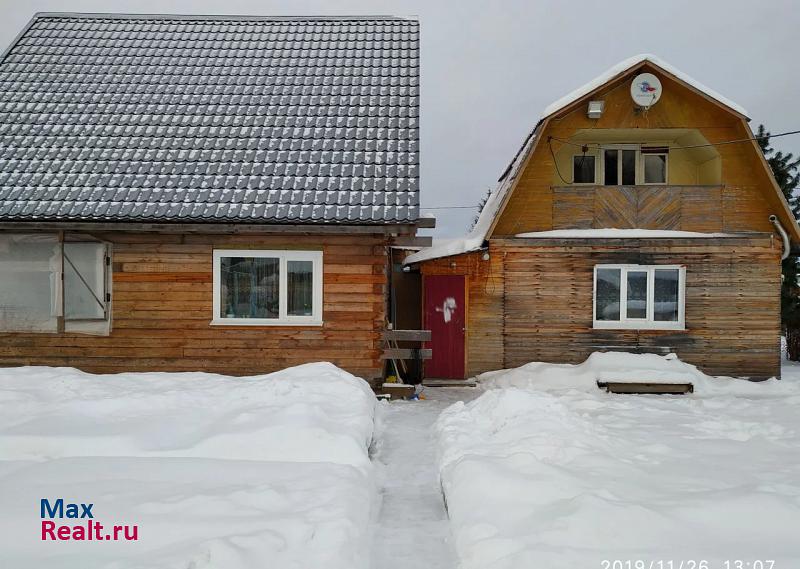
(162, 305)
(532, 301)
(732, 301)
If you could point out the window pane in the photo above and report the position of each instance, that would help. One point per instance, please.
(583, 169)
(607, 294)
(665, 307)
(637, 294)
(610, 167)
(628, 167)
(300, 282)
(84, 281)
(655, 169)
(249, 287)
(30, 267)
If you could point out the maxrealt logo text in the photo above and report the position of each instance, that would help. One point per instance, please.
(83, 528)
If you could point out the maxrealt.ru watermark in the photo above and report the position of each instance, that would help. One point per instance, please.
(87, 529)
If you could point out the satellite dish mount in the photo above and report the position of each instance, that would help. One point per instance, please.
(645, 90)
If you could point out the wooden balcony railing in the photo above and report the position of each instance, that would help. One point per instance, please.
(687, 208)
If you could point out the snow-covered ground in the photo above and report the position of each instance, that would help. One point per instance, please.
(545, 470)
(266, 471)
(412, 529)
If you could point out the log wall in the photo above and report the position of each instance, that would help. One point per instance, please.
(539, 306)
(162, 307)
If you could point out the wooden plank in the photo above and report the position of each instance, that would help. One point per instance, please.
(407, 335)
(646, 388)
(405, 354)
(412, 241)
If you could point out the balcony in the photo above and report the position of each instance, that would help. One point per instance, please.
(685, 208)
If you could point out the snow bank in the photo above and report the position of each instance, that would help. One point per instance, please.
(216, 471)
(612, 233)
(310, 413)
(615, 367)
(546, 470)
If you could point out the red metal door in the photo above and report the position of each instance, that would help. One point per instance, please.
(445, 317)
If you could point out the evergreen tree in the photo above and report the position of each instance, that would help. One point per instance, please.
(786, 169)
(481, 205)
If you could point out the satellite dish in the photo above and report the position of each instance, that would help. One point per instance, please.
(646, 90)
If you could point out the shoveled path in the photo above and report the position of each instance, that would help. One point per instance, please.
(413, 531)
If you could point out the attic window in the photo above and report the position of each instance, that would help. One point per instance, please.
(654, 165)
(583, 168)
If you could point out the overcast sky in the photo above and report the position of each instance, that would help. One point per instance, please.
(490, 67)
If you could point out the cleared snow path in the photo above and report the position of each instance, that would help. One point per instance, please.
(412, 529)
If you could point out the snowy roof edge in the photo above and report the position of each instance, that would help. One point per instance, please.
(474, 240)
(625, 65)
(242, 17)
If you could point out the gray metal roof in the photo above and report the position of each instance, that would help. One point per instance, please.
(205, 118)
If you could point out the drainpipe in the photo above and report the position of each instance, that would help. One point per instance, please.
(774, 221)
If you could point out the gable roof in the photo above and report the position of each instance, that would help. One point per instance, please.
(495, 204)
(623, 67)
(211, 119)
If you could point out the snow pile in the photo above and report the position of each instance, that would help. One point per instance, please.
(613, 233)
(614, 367)
(216, 471)
(546, 470)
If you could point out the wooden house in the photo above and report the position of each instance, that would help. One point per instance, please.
(204, 192)
(639, 215)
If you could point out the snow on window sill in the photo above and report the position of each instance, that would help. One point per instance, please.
(264, 322)
(617, 325)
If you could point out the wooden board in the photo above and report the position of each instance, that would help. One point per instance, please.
(406, 353)
(642, 388)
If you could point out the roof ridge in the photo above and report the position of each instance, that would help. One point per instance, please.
(222, 17)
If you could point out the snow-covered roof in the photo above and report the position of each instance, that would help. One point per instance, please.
(613, 233)
(622, 67)
(475, 238)
(170, 118)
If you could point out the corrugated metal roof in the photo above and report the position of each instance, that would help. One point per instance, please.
(195, 118)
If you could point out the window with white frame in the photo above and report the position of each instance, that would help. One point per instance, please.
(267, 288)
(628, 165)
(654, 165)
(639, 297)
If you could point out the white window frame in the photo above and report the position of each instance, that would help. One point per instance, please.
(646, 323)
(665, 154)
(619, 148)
(283, 319)
(572, 165)
(600, 169)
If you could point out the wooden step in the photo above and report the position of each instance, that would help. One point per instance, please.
(433, 382)
(396, 390)
(640, 388)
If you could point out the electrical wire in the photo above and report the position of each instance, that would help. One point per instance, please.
(598, 146)
(585, 147)
(452, 207)
(553, 154)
